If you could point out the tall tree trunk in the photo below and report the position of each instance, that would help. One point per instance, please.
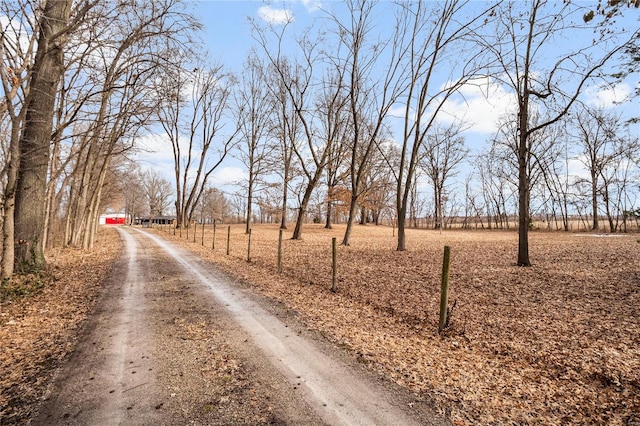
(376, 216)
(327, 223)
(311, 185)
(8, 224)
(594, 200)
(330, 191)
(523, 187)
(402, 240)
(249, 199)
(613, 226)
(94, 210)
(79, 219)
(353, 205)
(283, 217)
(51, 190)
(438, 206)
(36, 136)
(47, 216)
(363, 216)
(67, 224)
(297, 231)
(402, 197)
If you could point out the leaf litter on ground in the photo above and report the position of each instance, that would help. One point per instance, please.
(555, 343)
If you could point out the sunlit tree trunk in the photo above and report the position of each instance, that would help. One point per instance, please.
(8, 235)
(524, 188)
(17, 61)
(595, 225)
(36, 136)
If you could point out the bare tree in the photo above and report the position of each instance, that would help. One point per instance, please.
(213, 206)
(253, 106)
(370, 93)
(556, 175)
(36, 135)
(284, 129)
(238, 205)
(444, 150)
(198, 144)
(472, 207)
(434, 36)
(545, 80)
(617, 178)
(379, 181)
(99, 103)
(133, 192)
(17, 49)
(336, 129)
(105, 100)
(112, 135)
(498, 185)
(157, 191)
(416, 203)
(600, 148)
(270, 203)
(295, 80)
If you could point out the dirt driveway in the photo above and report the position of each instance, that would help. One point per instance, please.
(174, 342)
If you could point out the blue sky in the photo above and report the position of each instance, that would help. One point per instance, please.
(227, 30)
(227, 36)
(227, 27)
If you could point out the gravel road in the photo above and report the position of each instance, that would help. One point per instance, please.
(173, 341)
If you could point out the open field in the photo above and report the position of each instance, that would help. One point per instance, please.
(557, 343)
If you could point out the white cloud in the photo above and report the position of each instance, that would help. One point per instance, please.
(576, 168)
(479, 104)
(154, 151)
(275, 16)
(607, 97)
(397, 111)
(19, 33)
(228, 176)
(312, 5)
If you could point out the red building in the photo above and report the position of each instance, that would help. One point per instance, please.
(113, 219)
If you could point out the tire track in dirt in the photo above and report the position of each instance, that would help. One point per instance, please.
(335, 391)
(173, 342)
(110, 377)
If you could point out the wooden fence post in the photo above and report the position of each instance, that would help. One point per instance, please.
(334, 259)
(280, 251)
(228, 239)
(444, 289)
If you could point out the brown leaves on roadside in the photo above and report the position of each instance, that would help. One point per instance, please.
(39, 321)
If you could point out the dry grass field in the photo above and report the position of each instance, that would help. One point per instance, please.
(556, 343)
